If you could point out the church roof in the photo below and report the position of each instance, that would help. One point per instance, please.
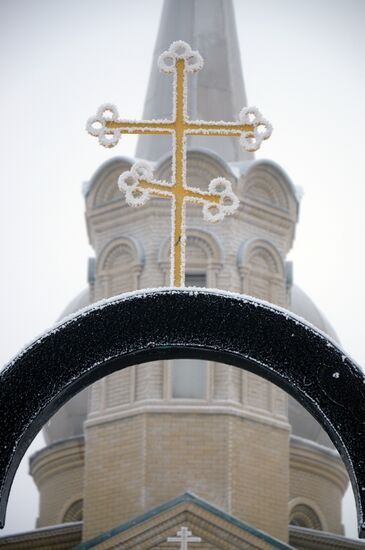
(207, 521)
(215, 93)
(302, 305)
(80, 301)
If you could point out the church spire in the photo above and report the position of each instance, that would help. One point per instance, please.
(217, 93)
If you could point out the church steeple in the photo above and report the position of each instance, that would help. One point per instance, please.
(217, 93)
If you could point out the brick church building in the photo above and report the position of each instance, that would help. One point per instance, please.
(156, 448)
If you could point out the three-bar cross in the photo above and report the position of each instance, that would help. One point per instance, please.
(138, 183)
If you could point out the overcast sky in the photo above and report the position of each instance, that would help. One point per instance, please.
(304, 68)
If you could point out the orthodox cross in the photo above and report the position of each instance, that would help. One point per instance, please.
(138, 183)
(184, 536)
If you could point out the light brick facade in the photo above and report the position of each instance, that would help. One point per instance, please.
(58, 472)
(318, 481)
(234, 463)
(231, 448)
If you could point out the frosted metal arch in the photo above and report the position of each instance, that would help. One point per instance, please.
(168, 323)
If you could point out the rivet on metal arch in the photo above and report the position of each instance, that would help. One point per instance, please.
(179, 323)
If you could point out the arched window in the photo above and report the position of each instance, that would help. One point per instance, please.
(204, 259)
(102, 189)
(303, 515)
(120, 276)
(263, 186)
(118, 267)
(188, 378)
(262, 271)
(74, 512)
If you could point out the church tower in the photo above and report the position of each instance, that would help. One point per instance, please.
(148, 434)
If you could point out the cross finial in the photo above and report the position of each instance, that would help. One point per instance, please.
(138, 183)
(184, 536)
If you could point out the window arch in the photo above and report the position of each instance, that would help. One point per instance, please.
(74, 512)
(262, 271)
(118, 267)
(204, 255)
(304, 516)
(102, 189)
(266, 185)
(189, 378)
(202, 167)
(306, 513)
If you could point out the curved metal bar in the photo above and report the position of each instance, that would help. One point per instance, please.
(149, 325)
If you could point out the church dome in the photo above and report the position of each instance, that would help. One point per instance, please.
(303, 306)
(80, 301)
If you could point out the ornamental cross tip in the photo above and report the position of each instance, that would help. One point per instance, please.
(138, 183)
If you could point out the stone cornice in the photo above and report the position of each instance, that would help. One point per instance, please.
(313, 459)
(173, 408)
(55, 536)
(311, 539)
(59, 457)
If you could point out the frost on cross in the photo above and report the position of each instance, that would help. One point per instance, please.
(138, 183)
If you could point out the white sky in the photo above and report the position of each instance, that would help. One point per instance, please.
(303, 67)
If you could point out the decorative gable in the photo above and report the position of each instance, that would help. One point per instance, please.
(216, 529)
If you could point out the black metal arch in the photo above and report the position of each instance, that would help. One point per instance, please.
(150, 325)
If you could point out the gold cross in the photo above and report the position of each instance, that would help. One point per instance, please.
(138, 183)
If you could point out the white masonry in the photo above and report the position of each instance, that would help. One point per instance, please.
(184, 536)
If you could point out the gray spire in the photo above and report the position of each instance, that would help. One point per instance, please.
(215, 93)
